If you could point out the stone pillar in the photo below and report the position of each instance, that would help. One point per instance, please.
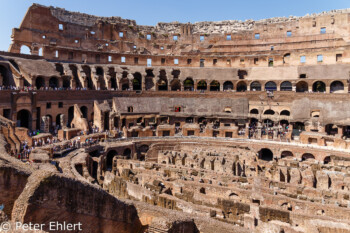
(328, 89)
(60, 82)
(248, 87)
(278, 87)
(340, 131)
(143, 81)
(46, 80)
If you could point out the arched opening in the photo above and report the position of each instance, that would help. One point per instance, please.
(24, 118)
(241, 87)
(319, 86)
(214, 86)
(286, 153)
(337, 86)
(202, 85)
(228, 85)
(265, 154)
(285, 113)
(162, 84)
(331, 129)
(137, 82)
(40, 52)
(327, 160)
(149, 84)
(74, 70)
(127, 153)
(286, 86)
(270, 86)
(53, 82)
(58, 121)
(109, 160)
(286, 58)
(124, 82)
(175, 85)
(50, 121)
(189, 120)
(307, 156)
(66, 83)
(202, 190)
(5, 76)
(59, 68)
(302, 87)
(84, 111)
(268, 123)
(25, 50)
(99, 71)
(87, 72)
(284, 123)
(255, 86)
(70, 116)
(39, 82)
(254, 111)
(188, 84)
(114, 83)
(269, 112)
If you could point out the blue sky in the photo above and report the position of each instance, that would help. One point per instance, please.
(149, 12)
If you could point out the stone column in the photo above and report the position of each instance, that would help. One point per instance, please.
(130, 78)
(328, 89)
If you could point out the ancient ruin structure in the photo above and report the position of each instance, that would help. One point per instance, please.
(224, 126)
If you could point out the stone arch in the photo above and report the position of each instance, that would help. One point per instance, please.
(124, 82)
(188, 84)
(5, 76)
(302, 86)
(84, 111)
(269, 112)
(285, 113)
(66, 82)
(175, 85)
(255, 86)
(202, 85)
(286, 153)
(270, 86)
(24, 118)
(228, 85)
(327, 160)
(286, 86)
(162, 84)
(307, 156)
(109, 159)
(241, 86)
(39, 82)
(265, 154)
(214, 86)
(58, 120)
(127, 153)
(318, 86)
(254, 111)
(25, 50)
(74, 70)
(59, 68)
(137, 82)
(337, 86)
(70, 116)
(87, 71)
(53, 82)
(149, 83)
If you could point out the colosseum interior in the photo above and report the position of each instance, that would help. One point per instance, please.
(230, 126)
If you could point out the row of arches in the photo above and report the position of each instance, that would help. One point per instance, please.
(267, 155)
(270, 112)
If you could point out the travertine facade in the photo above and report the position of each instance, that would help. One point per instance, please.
(207, 127)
